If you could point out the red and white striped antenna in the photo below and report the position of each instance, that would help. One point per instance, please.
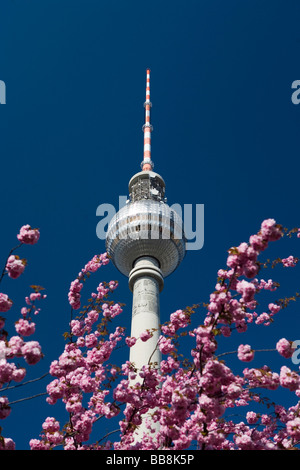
(147, 164)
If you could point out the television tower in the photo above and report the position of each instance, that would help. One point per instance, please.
(146, 243)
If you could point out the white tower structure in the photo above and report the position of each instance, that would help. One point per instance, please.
(146, 242)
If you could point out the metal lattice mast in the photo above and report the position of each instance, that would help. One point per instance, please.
(147, 164)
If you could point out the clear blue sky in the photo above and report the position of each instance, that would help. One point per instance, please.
(226, 135)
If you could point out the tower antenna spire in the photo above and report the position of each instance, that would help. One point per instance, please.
(147, 164)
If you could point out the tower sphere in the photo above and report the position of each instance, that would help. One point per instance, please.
(146, 226)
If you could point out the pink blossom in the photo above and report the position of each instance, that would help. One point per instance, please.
(113, 285)
(56, 390)
(289, 379)
(32, 352)
(226, 331)
(266, 419)
(95, 263)
(244, 442)
(267, 285)
(130, 341)
(28, 235)
(15, 266)
(245, 353)
(5, 409)
(102, 291)
(247, 289)
(7, 444)
(293, 428)
(24, 311)
(77, 327)
(263, 318)
(74, 294)
(274, 308)
(263, 377)
(252, 417)
(92, 317)
(232, 261)
(165, 345)
(36, 296)
(50, 425)
(5, 303)
(24, 327)
(234, 391)
(284, 347)
(270, 230)
(91, 340)
(74, 403)
(258, 242)
(291, 261)
(6, 371)
(80, 341)
(36, 444)
(166, 366)
(111, 311)
(18, 374)
(250, 269)
(145, 335)
(15, 345)
(89, 322)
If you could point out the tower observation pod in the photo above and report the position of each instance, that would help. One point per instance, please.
(146, 243)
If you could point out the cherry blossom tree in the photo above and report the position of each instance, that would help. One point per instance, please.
(194, 397)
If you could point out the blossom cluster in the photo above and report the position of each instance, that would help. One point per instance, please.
(186, 401)
(180, 405)
(28, 235)
(5, 302)
(81, 369)
(15, 347)
(92, 266)
(189, 403)
(225, 306)
(83, 366)
(15, 266)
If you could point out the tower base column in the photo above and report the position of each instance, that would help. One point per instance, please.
(146, 282)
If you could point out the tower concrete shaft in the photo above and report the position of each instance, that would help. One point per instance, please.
(146, 282)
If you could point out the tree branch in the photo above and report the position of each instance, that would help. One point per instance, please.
(27, 398)
(24, 383)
